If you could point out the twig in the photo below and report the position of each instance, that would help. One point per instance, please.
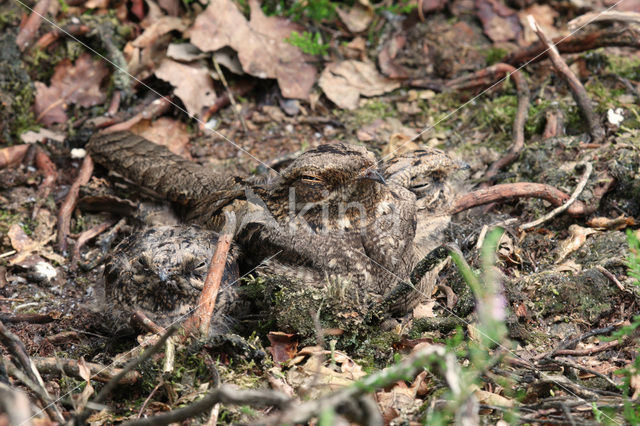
(606, 37)
(154, 109)
(50, 172)
(577, 89)
(241, 89)
(486, 77)
(613, 278)
(132, 364)
(69, 204)
(589, 351)
(17, 349)
(29, 318)
(576, 193)
(433, 358)
(201, 318)
(101, 373)
(86, 236)
(144, 322)
(571, 364)
(30, 28)
(230, 94)
(11, 156)
(573, 342)
(106, 390)
(146, 401)
(605, 16)
(225, 394)
(506, 191)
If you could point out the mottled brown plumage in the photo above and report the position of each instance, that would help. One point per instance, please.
(329, 223)
(161, 271)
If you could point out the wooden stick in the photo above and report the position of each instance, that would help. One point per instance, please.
(201, 318)
(30, 28)
(69, 203)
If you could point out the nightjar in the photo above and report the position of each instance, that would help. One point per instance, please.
(333, 232)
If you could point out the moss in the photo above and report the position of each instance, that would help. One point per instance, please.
(372, 110)
(494, 55)
(625, 66)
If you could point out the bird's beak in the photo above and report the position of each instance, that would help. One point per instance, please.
(374, 175)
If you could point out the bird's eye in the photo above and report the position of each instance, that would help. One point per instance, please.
(201, 265)
(310, 179)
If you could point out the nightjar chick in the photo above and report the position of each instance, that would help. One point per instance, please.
(161, 271)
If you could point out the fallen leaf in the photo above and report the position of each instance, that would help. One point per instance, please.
(499, 21)
(574, 241)
(193, 84)
(41, 136)
(77, 83)
(159, 28)
(283, 346)
(490, 398)
(165, 131)
(85, 373)
(621, 222)
(400, 398)
(424, 310)
(357, 18)
(344, 82)
(260, 43)
(11, 156)
(184, 52)
(544, 16)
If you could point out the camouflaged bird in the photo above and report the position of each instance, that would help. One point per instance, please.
(335, 234)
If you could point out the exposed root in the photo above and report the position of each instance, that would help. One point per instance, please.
(529, 190)
(574, 197)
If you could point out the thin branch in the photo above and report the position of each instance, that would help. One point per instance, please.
(507, 191)
(225, 394)
(201, 318)
(574, 197)
(577, 89)
(16, 348)
(69, 204)
(30, 28)
(65, 366)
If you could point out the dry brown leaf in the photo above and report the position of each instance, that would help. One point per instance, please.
(574, 241)
(11, 156)
(544, 16)
(260, 43)
(184, 52)
(386, 58)
(358, 17)
(283, 346)
(499, 21)
(77, 83)
(490, 398)
(400, 398)
(193, 84)
(621, 222)
(165, 131)
(85, 373)
(344, 82)
(157, 29)
(424, 310)
(41, 135)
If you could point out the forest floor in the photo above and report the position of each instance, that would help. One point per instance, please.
(215, 82)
